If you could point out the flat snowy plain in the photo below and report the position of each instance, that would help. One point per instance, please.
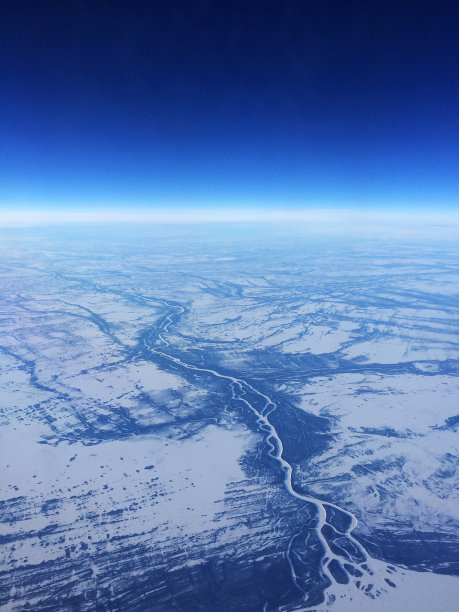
(228, 417)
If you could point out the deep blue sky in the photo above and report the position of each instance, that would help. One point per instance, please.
(229, 103)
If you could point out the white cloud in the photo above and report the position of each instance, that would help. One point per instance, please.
(348, 221)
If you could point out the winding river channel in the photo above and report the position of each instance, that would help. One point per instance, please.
(342, 559)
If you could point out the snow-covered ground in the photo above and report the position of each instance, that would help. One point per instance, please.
(157, 388)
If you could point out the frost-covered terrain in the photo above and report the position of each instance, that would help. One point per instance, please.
(228, 419)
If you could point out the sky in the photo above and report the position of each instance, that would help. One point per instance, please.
(228, 104)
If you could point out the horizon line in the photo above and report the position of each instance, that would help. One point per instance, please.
(27, 217)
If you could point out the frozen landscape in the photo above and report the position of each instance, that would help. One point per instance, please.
(228, 418)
